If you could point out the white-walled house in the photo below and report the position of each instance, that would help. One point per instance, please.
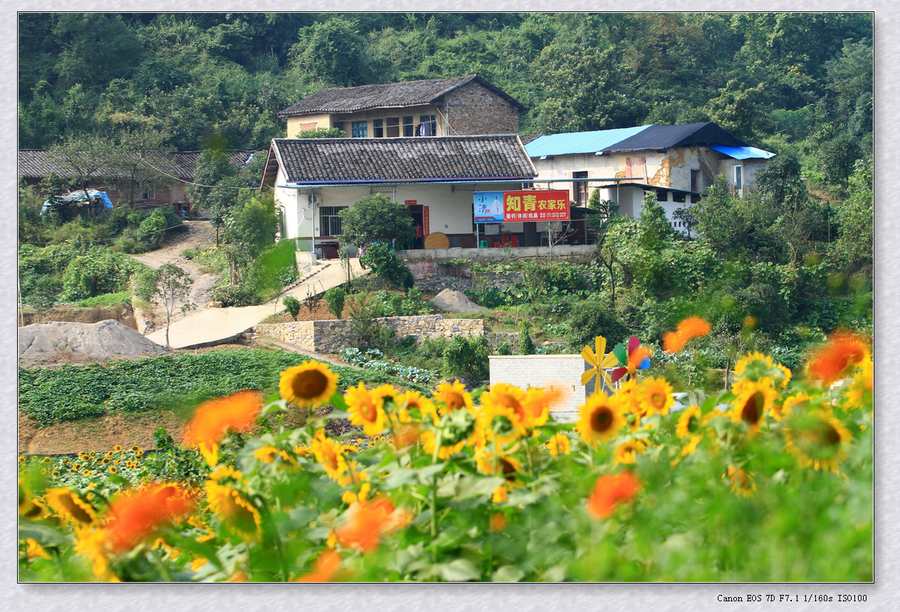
(679, 162)
(316, 178)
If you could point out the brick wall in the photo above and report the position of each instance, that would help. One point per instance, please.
(473, 109)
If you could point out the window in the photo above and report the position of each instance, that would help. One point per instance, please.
(427, 125)
(338, 125)
(662, 196)
(408, 127)
(738, 179)
(360, 129)
(678, 196)
(580, 188)
(329, 220)
(695, 180)
(392, 127)
(148, 193)
(377, 128)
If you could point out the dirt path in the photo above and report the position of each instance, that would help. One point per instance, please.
(199, 235)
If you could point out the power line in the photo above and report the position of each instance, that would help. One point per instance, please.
(181, 180)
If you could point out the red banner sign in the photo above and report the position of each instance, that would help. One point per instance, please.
(426, 221)
(550, 205)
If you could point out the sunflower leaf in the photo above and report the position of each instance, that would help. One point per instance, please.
(459, 570)
(337, 400)
(43, 535)
(508, 573)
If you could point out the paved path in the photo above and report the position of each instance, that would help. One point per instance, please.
(210, 326)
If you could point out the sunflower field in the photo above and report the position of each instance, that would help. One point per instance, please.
(770, 481)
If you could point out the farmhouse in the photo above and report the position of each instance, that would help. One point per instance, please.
(678, 162)
(170, 172)
(314, 179)
(461, 106)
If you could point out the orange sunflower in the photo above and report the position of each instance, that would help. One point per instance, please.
(366, 408)
(212, 419)
(610, 492)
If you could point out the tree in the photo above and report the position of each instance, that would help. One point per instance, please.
(138, 152)
(84, 158)
(173, 287)
(212, 191)
(376, 219)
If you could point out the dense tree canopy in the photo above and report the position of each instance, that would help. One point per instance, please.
(772, 77)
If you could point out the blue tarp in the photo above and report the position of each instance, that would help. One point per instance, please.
(579, 142)
(78, 196)
(743, 152)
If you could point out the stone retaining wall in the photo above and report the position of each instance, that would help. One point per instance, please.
(330, 336)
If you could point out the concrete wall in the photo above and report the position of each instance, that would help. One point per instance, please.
(333, 335)
(544, 371)
(474, 109)
(572, 253)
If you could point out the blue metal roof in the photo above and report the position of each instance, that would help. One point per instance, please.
(743, 152)
(579, 142)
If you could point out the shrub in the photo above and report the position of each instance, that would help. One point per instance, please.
(526, 344)
(387, 266)
(236, 295)
(591, 319)
(468, 358)
(334, 298)
(292, 305)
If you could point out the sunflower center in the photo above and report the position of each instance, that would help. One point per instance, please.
(508, 469)
(693, 422)
(751, 411)
(309, 384)
(454, 401)
(658, 400)
(601, 419)
(829, 435)
(368, 411)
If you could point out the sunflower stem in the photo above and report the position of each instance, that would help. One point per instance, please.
(434, 517)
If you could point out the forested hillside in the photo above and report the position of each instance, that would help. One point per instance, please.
(798, 81)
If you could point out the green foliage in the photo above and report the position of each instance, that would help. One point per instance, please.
(387, 266)
(334, 297)
(526, 344)
(594, 318)
(171, 381)
(376, 219)
(467, 358)
(244, 294)
(96, 272)
(292, 305)
(332, 132)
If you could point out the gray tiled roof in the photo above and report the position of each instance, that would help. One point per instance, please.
(425, 159)
(36, 164)
(389, 95)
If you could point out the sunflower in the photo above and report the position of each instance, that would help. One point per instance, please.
(601, 417)
(655, 396)
(832, 361)
(506, 399)
(503, 465)
(742, 482)
(135, 516)
(753, 365)
(497, 419)
(689, 422)
(859, 394)
(540, 400)
(91, 544)
(330, 454)
(817, 439)
(413, 400)
(627, 451)
(117, 448)
(754, 400)
(559, 444)
(366, 409)
(452, 397)
(308, 384)
(449, 445)
(230, 505)
(71, 506)
(213, 418)
(610, 492)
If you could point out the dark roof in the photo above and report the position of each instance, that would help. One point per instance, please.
(390, 95)
(661, 137)
(37, 164)
(341, 161)
(647, 187)
(527, 138)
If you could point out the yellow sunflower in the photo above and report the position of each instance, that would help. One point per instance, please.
(497, 417)
(233, 508)
(753, 365)
(366, 409)
(451, 397)
(689, 422)
(330, 454)
(601, 417)
(754, 400)
(817, 439)
(500, 464)
(627, 451)
(559, 444)
(93, 545)
(742, 482)
(655, 396)
(859, 394)
(71, 506)
(309, 384)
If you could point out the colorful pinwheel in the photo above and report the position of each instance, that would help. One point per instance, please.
(598, 361)
(635, 357)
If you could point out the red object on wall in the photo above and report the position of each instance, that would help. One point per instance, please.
(426, 221)
(548, 205)
(410, 202)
